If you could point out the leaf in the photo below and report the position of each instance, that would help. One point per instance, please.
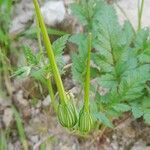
(121, 107)
(142, 38)
(41, 74)
(78, 68)
(146, 102)
(147, 118)
(103, 119)
(30, 57)
(79, 13)
(32, 32)
(107, 81)
(22, 72)
(137, 110)
(58, 47)
(132, 85)
(79, 59)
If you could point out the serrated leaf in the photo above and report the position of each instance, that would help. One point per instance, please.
(22, 72)
(79, 13)
(132, 85)
(41, 74)
(30, 57)
(58, 47)
(121, 107)
(103, 119)
(146, 102)
(137, 111)
(147, 117)
(107, 81)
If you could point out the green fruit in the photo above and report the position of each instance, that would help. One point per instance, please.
(85, 121)
(67, 115)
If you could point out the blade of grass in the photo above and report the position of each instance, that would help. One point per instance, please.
(3, 141)
(20, 129)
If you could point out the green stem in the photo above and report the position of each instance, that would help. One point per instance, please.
(39, 38)
(87, 80)
(140, 12)
(48, 81)
(50, 53)
(51, 93)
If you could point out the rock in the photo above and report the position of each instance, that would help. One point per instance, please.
(23, 14)
(53, 12)
(7, 117)
(4, 103)
(10, 146)
(67, 59)
(140, 145)
(46, 101)
(21, 101)
(38, 105)
(130, 8)
(34, 139)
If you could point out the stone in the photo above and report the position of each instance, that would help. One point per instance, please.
(53, 12)
(46, 102)
(7, 117)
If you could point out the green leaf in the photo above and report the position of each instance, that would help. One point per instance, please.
(41, 74)
(79, 59)
(121, 107)
(32, 32)
(146, 102)
(107, 81)
(79, 13)
(58, 47)
(22, 72)
(30, 57)
(103, 119)
(137, 111)
(132, 84)
(147, 118)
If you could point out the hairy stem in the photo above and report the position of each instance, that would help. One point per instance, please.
(87, 80)
(140, 12)
(50, 53)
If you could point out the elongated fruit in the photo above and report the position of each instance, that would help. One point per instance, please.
(67, 115)
(85, 121)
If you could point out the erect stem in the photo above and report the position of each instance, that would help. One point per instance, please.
(50, 53)
(48, 81)
(87, 78)
(140, 12)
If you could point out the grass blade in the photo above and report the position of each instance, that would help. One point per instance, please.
(20, 129)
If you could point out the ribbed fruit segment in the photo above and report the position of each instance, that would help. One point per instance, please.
(67, 115)
(85, 122)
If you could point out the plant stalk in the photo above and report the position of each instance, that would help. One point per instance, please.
(48, 81)
(50, 53)
(87, 80)
(140, 12)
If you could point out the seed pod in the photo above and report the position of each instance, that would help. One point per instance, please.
(85, 121)
(67, 115)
